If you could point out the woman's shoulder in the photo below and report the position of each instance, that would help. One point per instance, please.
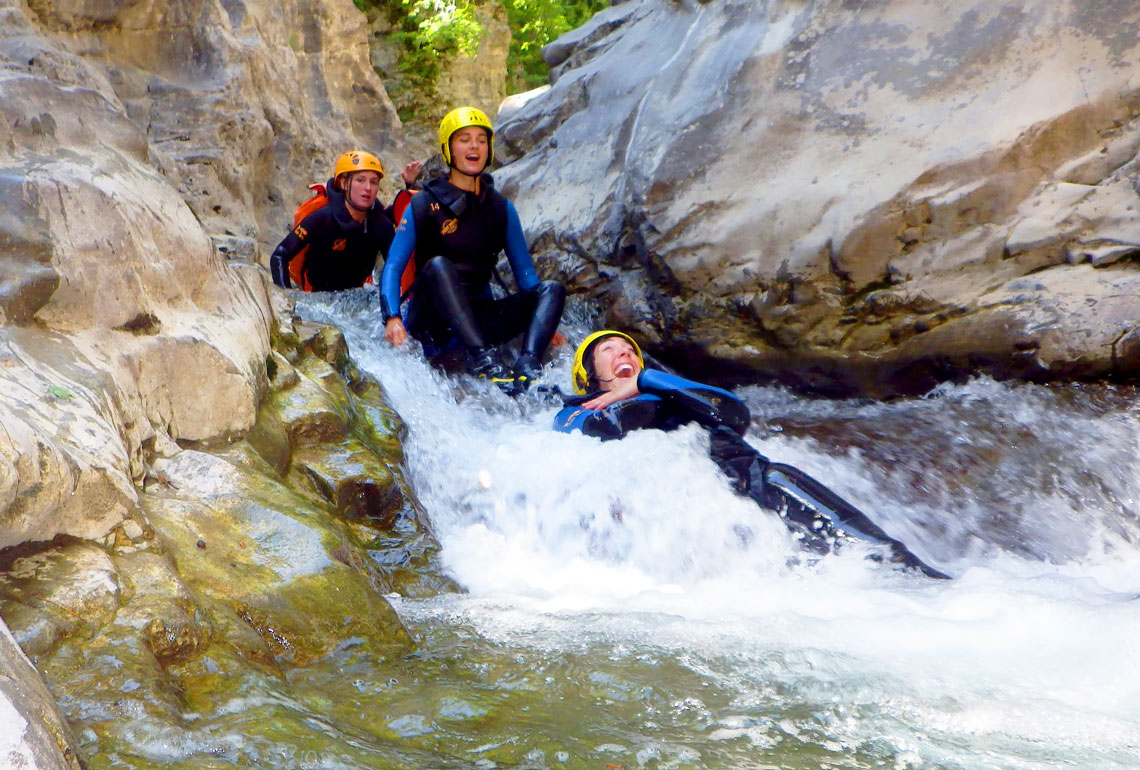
(491, 191)
(321, 219)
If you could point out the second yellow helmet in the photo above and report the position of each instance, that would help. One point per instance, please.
(579, 376)
(462, 118)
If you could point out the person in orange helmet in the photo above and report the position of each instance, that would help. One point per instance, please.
(345, 236)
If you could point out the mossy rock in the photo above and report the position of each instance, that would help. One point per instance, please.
(51, 591)
(270, 438)
(271, 558)
(323, 341)
(313, 411)
(353, 480)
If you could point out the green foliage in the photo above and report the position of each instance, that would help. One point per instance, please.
(534, 23)
(429, 33)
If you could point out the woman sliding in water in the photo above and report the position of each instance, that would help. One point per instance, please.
(617, 394)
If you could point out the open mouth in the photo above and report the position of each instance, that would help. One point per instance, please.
(623, 370)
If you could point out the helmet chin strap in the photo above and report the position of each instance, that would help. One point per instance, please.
(348, 196)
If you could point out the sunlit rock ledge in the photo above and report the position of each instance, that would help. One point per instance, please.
(848, 198)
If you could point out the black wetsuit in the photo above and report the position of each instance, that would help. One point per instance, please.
(457, 237)
(342, 252)
(666, 402)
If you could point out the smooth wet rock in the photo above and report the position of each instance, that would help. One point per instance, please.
(47, 594)
(353, 480)
(696, 167)
(309, 413)
(269, 559)
(33, 733)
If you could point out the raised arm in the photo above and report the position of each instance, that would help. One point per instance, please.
(706, 404)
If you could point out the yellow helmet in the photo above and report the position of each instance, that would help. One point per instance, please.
(462, 118)
(357, 160)
(579, 377)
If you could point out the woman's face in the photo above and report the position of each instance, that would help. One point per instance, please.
(362, 189)
(614, 359)
(469, 150)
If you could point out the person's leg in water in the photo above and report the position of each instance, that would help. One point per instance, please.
(535, 314)
(747, 470)
(441, 305)
(807, 506)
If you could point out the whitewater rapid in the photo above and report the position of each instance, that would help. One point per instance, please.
(563, 542)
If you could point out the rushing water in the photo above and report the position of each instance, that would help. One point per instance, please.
(625, 609)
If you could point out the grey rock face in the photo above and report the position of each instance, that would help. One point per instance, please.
(840, 196)
(33, 734)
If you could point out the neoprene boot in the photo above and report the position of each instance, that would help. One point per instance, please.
(486, 364)
(527, 370)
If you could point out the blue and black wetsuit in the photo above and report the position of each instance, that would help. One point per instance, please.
(457, 236)
(666, 402)
(342, 252)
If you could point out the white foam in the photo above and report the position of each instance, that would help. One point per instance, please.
(564, 541)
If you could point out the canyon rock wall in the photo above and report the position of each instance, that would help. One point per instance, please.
(851, 198)
(148, 153)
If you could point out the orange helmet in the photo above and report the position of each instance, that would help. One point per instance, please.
(356, 160)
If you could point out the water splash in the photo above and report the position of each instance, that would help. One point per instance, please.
(638, 550)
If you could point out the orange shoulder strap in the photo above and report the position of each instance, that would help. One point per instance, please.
(399, 206)
(297, 264)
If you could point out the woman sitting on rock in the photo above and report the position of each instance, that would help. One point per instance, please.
(458, 225)
(346, 235)
(617, 394)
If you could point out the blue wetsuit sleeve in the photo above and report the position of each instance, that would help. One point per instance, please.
(661, 383)
(517, 252)
(398, 255)
(709, 405)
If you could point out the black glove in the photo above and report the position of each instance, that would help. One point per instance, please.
(279, 269)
